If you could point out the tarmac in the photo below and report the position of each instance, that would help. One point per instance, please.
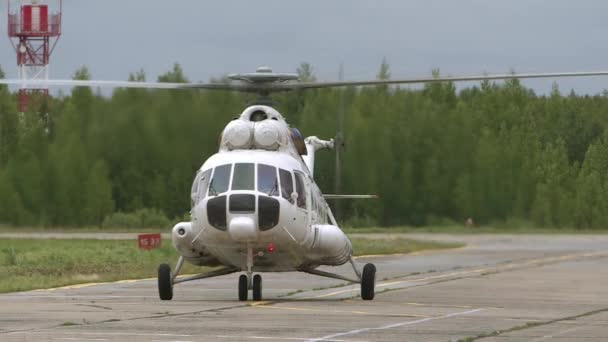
(497, 288)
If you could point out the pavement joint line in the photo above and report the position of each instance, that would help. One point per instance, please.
(557, 334)
(341, 311)
(113, 334)
(536, 324)
(280, 338)
(395, 325)
(129, 319)
(453, 306)
(78, 339)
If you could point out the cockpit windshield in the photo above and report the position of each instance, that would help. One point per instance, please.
(221, 178)
(267, 180)
(243, 178)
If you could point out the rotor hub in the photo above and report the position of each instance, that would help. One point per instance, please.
(263, 75)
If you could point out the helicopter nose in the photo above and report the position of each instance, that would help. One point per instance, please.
(242, 228)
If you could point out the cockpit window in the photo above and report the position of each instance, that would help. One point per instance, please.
(220, 180)
(243, 178)
(203, 184)
(194, 190)
(286, 183)
(300, 190)
(267, 180)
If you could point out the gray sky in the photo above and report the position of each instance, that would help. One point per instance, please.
(115, 37)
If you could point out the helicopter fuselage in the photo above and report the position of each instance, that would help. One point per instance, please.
(263, 202)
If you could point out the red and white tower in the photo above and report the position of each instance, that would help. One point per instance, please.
(34, 27)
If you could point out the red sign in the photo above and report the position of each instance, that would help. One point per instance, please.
(149, 241)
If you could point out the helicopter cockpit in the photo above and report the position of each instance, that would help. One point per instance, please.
(234, 189)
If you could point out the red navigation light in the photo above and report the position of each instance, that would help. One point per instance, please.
(271, 248)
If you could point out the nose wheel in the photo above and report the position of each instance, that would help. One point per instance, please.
(243, 287)
(368, 282)
(165, 282)
(256, 287)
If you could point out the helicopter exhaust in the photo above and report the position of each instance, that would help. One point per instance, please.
(312, 145)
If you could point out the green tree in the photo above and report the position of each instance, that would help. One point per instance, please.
(98, 201)
(174, 76)
(305, 72)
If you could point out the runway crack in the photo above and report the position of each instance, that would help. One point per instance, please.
(530, 325)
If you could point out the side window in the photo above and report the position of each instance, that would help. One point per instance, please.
(300, 190)
(203, 184)
(220, 180)
(267, 180)
(286, 184)
(243, 178)
(194, 190)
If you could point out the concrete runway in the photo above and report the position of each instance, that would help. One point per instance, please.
(504, 287)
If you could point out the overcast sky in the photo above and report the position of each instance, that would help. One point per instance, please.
(209, 39)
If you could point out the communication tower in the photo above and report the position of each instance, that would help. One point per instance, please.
(34, 27)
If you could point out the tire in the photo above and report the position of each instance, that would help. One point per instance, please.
(165, 285)
(368, 282)
(243, 291)
(257, 287)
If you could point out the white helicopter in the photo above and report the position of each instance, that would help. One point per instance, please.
(255, 205)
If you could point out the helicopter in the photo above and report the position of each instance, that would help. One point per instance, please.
(255, 206)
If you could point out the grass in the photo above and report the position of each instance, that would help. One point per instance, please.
(79, 229)
(34, 264)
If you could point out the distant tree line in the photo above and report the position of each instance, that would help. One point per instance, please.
(492, 152)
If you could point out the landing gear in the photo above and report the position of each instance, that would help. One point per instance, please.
(166, 278)
(243, 287)
(367, 278)
(368, 282)
(165, 282)
(249, 281)
(257, 287)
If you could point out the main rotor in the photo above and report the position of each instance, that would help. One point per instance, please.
(264, 81)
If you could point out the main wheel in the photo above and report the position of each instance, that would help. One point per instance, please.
(368, 282)
(165, 285)
(257, 287)
(243, 290)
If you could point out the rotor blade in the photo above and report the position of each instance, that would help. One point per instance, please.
(297, 86)
(266, 88)
(121, 84)
(333, 196)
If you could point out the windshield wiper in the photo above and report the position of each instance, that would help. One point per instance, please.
(274, 187)
(212, 190)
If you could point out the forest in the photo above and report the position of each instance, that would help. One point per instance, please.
(494, 152)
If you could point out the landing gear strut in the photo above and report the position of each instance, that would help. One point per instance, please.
(367, 278)
(249, 281)
(166, 278)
